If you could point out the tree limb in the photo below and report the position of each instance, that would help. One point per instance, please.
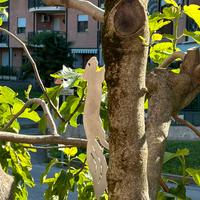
(85, 6)
(46, 112)
(42, 139)
(188, 124)
(190, 97)
(46, 147)
(37, 75)
(171, 58)
(164, 185)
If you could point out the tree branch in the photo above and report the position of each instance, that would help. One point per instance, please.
(42, 139)
(171, 58)
(46, 147)
(190, 97)
(46, 112)
(164, 185)
(85, 6)
(37, 76)
(188, 124)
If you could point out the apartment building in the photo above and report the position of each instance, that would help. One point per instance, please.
(28, 17)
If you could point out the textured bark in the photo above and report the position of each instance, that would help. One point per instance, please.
(6, 186)
(168, 94)
(125, 59)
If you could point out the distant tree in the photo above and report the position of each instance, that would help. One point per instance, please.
(50, 51)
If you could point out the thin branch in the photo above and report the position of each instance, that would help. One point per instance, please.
(42, 139)
(37, 76)
(85, 6)
(171, 58)
(46, 147)
(188, 124)
(45, 108)
(82, 168)
(164, 185)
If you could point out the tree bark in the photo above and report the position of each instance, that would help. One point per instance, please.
(6, 186)
(125, 58)
(168, 94)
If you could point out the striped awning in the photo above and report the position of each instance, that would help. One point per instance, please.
(84, 51)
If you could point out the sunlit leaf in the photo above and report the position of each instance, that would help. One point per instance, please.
(7, 95)
(48, 168)
(32, 115)
(157, 23)
(194, 35)
(195, 173)
(180, 152)
(176, 71)
(193, 11)
(172, 2)
(171, 13)
(160, 51)
(70, 151)
(146, 105)
(156, 37)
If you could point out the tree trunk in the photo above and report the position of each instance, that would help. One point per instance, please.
(125, 58)
(168, 93)
(6, 186)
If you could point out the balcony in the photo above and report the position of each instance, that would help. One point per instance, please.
(39, 6)
(3, 41)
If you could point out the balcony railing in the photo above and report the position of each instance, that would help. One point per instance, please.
(3, 40)
(38, 5)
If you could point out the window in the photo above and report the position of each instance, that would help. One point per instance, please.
(21, 25)
(82, 23)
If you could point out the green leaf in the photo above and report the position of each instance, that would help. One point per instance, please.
(43, 124)
(73, 120)
(7, 95)
(27, 92)
(194, 35)
(193, 11)
(54, 93)
(156, 37)
(3, 1)
(155, 23)
(1, 21)
(82, 157)
(176, 71)
(70, 151)
(172, 2)
(169, 37)
(195, 173)
(160, 51)
(171, 13)
(48, 168)
(69, 106)
(68, 74)
(15, 126)
(180, 152)
(146, 104)
(32, 115)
